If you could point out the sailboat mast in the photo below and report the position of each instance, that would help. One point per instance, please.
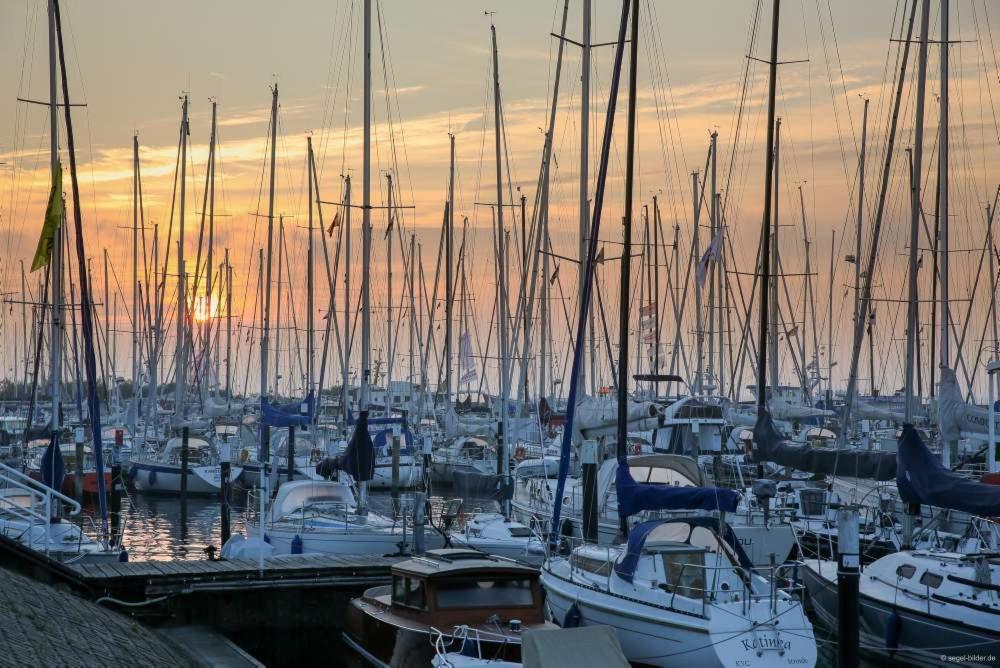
(310, 278)
(696, 255)
(265, 336)
(584, 204)
(765, 263)
(366, 231)
(773, 369)
(55, 264)
(180, 357)
(861, 214)
(501, 273)
(714, 321)
(229, 330)
(943, 217)
(210, 266)
(136, 384)
(346, 366)
(918, 155)
(626, 261)
(389, 348)
(449, 242)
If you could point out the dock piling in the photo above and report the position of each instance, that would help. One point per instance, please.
(848, 580)
(185, 435)
(588, 459)
(291, 453)
(225, 456)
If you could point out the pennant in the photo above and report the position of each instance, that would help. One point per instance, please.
(389, 228)
(600, 256)
(334, 224)
(555, 274)
(53, 219)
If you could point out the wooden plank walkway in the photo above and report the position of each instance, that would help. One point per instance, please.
(161, 575)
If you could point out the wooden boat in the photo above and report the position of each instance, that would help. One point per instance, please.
(478, 604)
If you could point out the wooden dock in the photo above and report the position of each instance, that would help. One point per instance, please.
(267, 613)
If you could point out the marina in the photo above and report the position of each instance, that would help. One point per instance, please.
(587, 333)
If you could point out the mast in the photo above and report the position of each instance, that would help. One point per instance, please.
(55, 264)
(714, 288)
(310, 304)
(210, 266)
(626, 261)
(366, 226)
(861, 214)
(773, 369)
(180, 357)
(502, 274)
(765, 246)
(943, 217)
(829, 324)
(345, 370)
(229, 330)
(584, 204)
(136, 384)
(918, 154)
(696, 255)
(265, 336)
(449, 241)
(277, 312)
(389, 348)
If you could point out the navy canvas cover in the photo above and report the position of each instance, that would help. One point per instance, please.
(634, 497)
(922, 479)
(769, 446)
(359, 459)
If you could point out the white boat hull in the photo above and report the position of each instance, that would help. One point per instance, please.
(166, 479)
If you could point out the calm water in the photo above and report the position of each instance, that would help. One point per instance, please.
(156, 529)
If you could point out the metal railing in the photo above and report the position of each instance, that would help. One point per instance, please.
(42, 499)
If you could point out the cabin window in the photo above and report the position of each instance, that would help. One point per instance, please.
(812, 501)
(906, 571)
(932, 580)
(685, 573)
(408, 592)
(493, 593)
(600, 567)
(660, 476)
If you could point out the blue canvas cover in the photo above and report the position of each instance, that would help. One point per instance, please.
(634, 497)
(769, 446)
(359, 459)
(625, 567)
(286, 415)
(922, 479)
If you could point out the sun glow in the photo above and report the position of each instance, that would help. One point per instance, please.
(205, 308)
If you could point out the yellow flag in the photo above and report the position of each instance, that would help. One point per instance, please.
(53, 218)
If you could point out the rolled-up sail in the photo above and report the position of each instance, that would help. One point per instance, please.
(634, 497)
(769, 446)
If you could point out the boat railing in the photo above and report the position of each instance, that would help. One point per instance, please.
(460, 639)
(780, 586)
(42, 501)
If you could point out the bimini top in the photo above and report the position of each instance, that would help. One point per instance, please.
(447, 562)
(643, 468)
(299, 493)
(698, 532)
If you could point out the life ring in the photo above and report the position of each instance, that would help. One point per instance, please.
(519, 452)
(637, 449)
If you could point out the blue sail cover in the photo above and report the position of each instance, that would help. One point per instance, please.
(359, 459)
(53, 469)
(287, 415)
(636, 497)
(770, 446)
(921, 478)
(625, 567)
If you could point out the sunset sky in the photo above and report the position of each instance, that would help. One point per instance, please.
(131, 61)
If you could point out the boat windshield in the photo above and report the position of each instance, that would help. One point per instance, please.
(685, 573)
(490, 593)
(661, 476)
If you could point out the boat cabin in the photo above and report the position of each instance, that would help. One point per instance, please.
(450, 587)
